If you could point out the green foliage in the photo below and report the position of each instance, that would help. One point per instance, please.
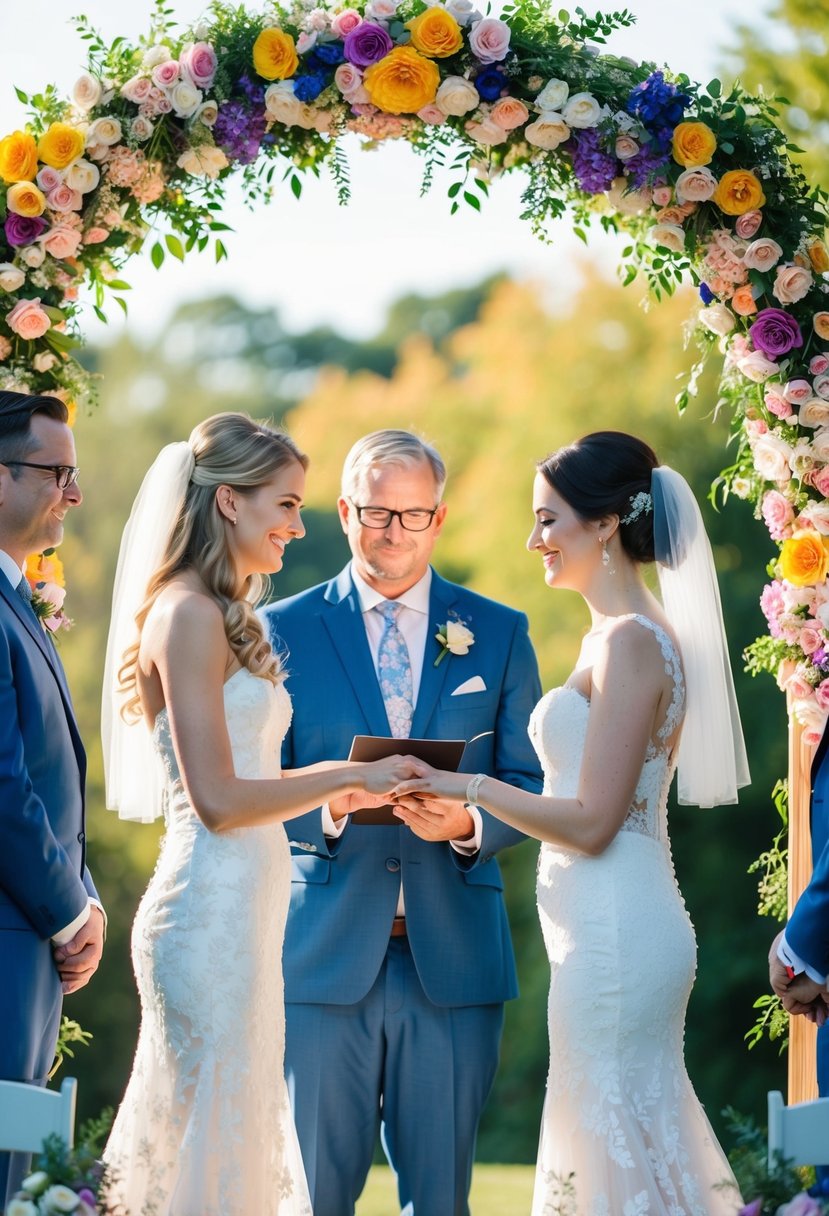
(749, 1160)
(70, 1032)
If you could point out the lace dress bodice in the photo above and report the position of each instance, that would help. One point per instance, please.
(558, 726)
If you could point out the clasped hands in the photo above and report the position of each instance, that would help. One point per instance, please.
(429, 801)
(800, 995)
(77, 960)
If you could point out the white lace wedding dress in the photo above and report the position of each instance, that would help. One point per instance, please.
(205, 1128)
(621, 1119)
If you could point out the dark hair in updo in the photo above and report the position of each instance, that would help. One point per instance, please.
(599, 475)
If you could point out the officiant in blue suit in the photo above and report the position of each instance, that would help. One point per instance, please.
(397, 956)
(51, 922)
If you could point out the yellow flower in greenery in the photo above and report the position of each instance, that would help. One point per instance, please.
(403, 82)
(818, 256)
(739, 191)
(274, 54)
(694, 144)
(804, 559)
(18, 157)
(24, 198)
(60, 145)
(435, 33)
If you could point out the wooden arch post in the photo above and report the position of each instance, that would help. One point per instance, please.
(802, 1041)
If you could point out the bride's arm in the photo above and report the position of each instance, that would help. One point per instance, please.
(190, 653)
(627, 684)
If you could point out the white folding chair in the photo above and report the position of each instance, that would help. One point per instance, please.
(28, 1114)
(800, 1132)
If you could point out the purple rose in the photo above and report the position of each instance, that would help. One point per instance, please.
(86, 1196)
(367, 44)
(754, 1208)
(23, 229)
(775, 333)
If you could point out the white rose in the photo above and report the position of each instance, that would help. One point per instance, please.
(463, 11)
(32, 255)
(35, 1183)
(717, 319)
(457, 96)
(206, 161)
(626, 147)
(207, 113)
(553, 95)
(672, 236)
(11, 277)
(771, 457)
(141, 129)
(186, 98)
(381, 10)
(814, 413)
(21, 1207)
(582, 111)
(44, 362)
(87, 92)
(60, 1198)
(820, 445)
(83, 176)
(281, 104)
(816, 516)
(458, 638)
(106, 131)
(154, 56)
(755, 366)
(762, 254)
(548, 131)
(628, 202)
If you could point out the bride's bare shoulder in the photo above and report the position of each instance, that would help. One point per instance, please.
(182, 615)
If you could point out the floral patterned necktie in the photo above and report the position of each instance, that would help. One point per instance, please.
(395, 671)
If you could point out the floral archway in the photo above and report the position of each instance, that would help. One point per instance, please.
(700, 180)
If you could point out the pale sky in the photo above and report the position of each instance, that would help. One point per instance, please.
(318, 262)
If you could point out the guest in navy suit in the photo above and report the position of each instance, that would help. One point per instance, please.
(799, 958)
(51, 923)
(397, 951)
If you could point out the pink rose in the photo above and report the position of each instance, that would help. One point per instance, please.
(346, 21)
(166, 74)
(695, 185)
(778, 514)
(821, 385)
(762, 254)
(662, 195)
(791, 284)
(797, 391)
(137, 90)
(305, 41)
(48, 178)
(28, 320)
(756, 367)
(348, 79)
(822, 695)
(810, 639)
(489, 40)
(813, 720)
(818, 364)
(486, 132)
(198, 64)
(61, 241)
(626, 147)
(95, 235)
(816, 517)
(432, 115)
(509, 113)
(748, 224)
(64, 198)
(777, 405)
(819, 478)
(798, 686)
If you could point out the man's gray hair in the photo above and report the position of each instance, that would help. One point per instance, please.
(382, 448)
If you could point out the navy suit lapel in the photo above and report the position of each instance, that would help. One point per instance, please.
(441, 597)
(343, 618)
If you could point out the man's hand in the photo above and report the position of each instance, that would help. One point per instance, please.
(360, 800)
(806, 998)
(436, 818)
(77, 960)
(778, 976)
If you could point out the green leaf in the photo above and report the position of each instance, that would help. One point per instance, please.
(454, 189)
(21, 96)
(221, 252)
(727, 146)
(118, 285)
(175, 246)
(296, 185)
(714, 88)
(122, 302)
(157, 254)
(100, 314)
(472, 200)
(581, 234)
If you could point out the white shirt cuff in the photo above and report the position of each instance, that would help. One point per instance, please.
(788, 956)
(66, 934)
(467, 847)
(330, 826)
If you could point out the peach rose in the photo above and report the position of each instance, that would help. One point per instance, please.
(696, 185)
(95, 235)
(626, 147)
(669, 236)
(509, 113)
(5, 348)
(820, 324)
(792, 284)
(486, 132)
(743, 301)
(818, 256)
(432, 115)
(548, 131)
(748, 224)
(662, 195)
(61, 241)
(814, 413)
(762, 254)
(28, 320)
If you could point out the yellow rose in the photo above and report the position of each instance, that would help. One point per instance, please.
(402, 82)
(694, 144)
(274, 54)
(818, 256)
(24, 198)
(436, 33)
(804, 559)
(820, 321)
(45, 568)
(60, 145)
(18, 157)
(739, 191)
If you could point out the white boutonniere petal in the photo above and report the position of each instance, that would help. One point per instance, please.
(455, 638)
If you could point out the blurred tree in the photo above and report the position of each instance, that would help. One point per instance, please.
(788, 58)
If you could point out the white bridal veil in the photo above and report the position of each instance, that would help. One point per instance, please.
(712, 763)
(134, 776)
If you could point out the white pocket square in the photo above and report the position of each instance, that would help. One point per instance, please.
(473, 684)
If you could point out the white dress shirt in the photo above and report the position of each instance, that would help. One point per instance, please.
(14, 574)
(413, 623)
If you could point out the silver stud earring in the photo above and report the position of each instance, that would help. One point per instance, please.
(233, 521)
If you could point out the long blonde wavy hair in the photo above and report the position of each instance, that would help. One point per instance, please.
(228, 449)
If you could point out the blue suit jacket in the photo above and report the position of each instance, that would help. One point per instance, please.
(344, 891)
(44, 882)
(808, 929)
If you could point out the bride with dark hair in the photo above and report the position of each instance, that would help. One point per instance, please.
(651, 691)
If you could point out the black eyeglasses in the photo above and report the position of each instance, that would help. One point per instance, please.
(65, 474)
(417, 519)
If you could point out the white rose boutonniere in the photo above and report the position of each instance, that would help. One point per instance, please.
(455, 638)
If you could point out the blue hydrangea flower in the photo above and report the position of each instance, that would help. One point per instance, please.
(308, 87)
